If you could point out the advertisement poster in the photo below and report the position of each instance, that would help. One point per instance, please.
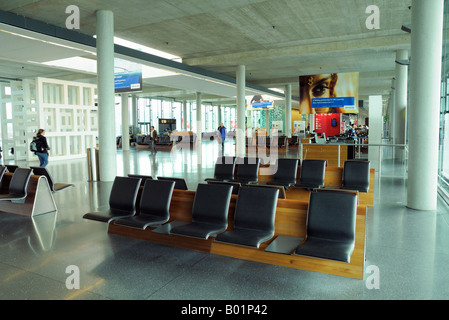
(329, 123)
(299, 127)
(329, 93)
(277, 125)
(127, 76)
(260, 102)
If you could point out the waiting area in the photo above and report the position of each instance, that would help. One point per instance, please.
(128, 259)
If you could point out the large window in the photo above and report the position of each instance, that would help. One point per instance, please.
(443, 169)
(149, 110)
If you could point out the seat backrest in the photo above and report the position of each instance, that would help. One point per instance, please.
(332, 215)
(294, 139)
(235, 185)
(256, 208)
(313, 171)
(19, 181)
(2, 171)
(282, 194)
(211, 203)
(286, 169)
(224, 168)
(179, 182)
(356, 173)
(248, 168)
(11, 167)
(156, 198)
(40, 171)
(281, 140)
(142, 178)
(124, 194)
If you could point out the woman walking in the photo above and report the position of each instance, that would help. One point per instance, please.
(42, 147)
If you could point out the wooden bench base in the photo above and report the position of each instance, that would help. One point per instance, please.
(291, 216)
(333, 179)
(39, 198)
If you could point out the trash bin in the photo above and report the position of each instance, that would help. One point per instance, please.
(93, 167)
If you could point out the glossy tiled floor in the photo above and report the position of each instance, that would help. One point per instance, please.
(409, 247)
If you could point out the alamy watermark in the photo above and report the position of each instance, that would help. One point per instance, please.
(73, 280)
(73, 20)
(373, 21)
(373, 280)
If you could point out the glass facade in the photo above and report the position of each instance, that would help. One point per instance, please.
(443, 170)
(150, 110)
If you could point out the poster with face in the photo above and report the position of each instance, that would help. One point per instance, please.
(329, 93)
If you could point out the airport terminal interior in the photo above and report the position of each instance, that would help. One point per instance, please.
(286, 82)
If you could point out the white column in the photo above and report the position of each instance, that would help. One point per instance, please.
(184, 115)
(134, 113)
(288, 110)
(199, 118)
(392, 111)
(240, 112)
(400, 102)
(375, 130)
(425, 82)
(219, 115)
(125, 122)
(249, 122)
(106, 98)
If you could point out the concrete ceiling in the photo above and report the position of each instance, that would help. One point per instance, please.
(277, 40)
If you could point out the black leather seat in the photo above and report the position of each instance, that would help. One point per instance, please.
(254, 217)
(282, 141)
(235, 185)
(331, 221)
(356, 175)
(312, 174)
(143, 178)
(122, 201)
(11, 167)
(286, 173)
(224, 169)
(247, 170)
(3, 169)
(294, 141)
(209, 212)
(54, 187)
(18, 185)
(281, 195)
(180, 183)
(154, 205)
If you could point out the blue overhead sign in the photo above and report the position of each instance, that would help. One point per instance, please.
(348, 103)
(127, 76)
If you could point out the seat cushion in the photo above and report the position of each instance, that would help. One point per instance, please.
(245, 237)
(199, 230)
(284, 183)
(141, 222)
(108, 215)
(307, 185)
(356, 188)
(326, 249)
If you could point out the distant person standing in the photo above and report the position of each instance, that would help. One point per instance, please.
(222, 135)
(42, 147)
(153, 139)
(353, 132)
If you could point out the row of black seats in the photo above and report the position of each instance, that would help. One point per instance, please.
(254, 217)
(356, 174)
(330, 233)
(18, 184)
(180, 183)
(21, 177)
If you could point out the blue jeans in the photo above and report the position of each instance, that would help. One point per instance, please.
(43, 158)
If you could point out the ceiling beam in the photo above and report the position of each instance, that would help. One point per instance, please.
(389, 43)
